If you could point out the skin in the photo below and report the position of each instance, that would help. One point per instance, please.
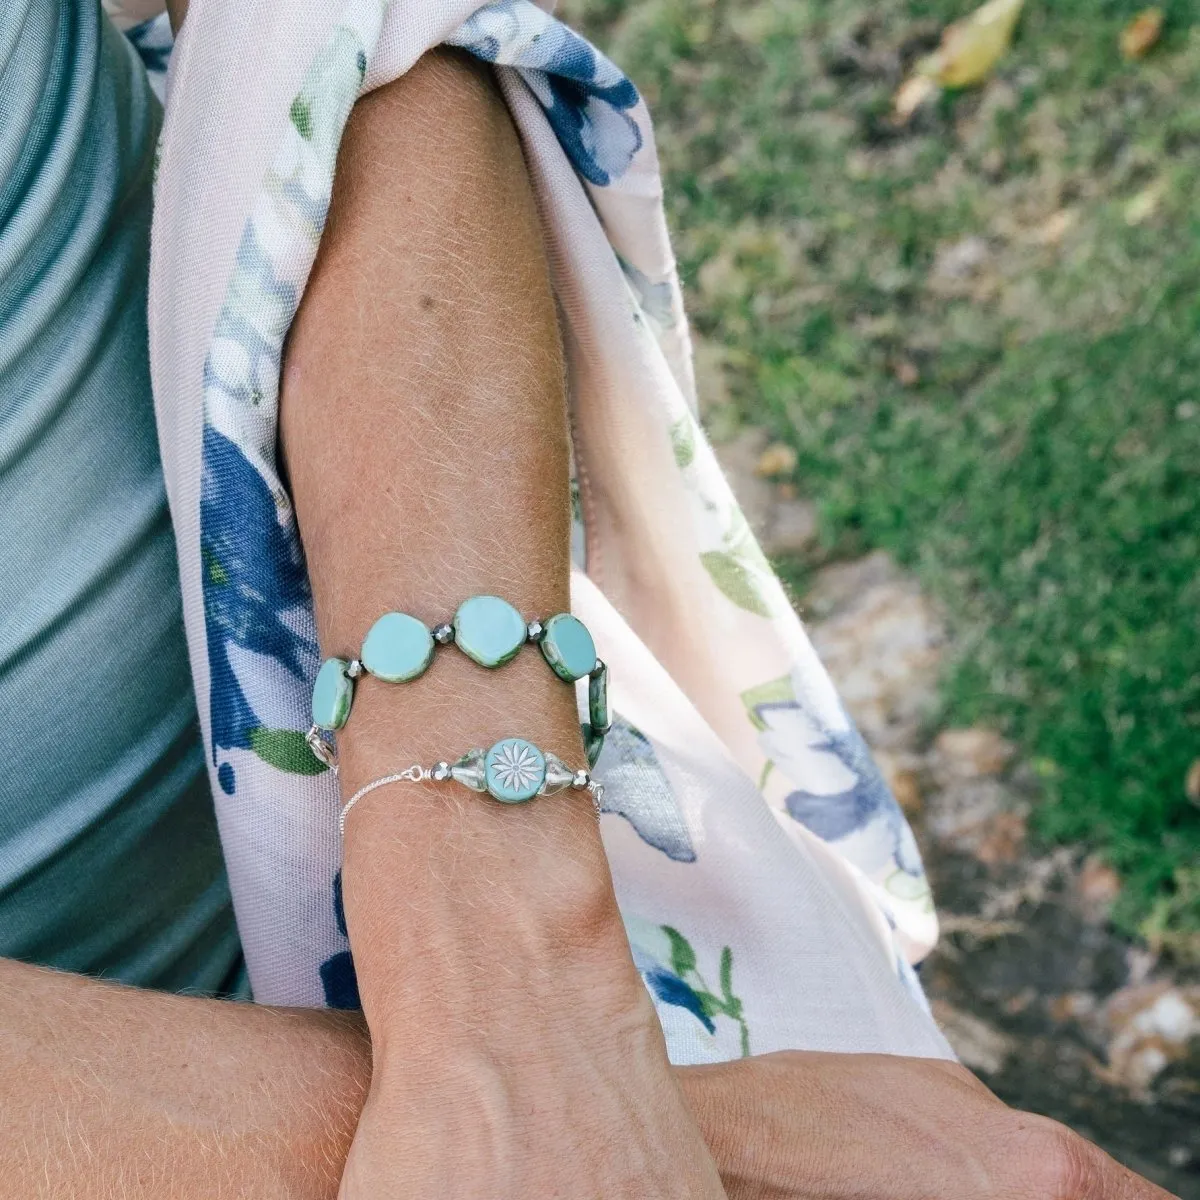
(526, 1042)
(200, 1099)
(509, 1048)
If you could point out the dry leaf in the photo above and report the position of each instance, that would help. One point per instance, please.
(1056, 227)
(1191, 783)
(1142, 33)
(972, 47)
(914, 92)
(1145, 204)
(777, 459)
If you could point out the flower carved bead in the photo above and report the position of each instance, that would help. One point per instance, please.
(514, 770)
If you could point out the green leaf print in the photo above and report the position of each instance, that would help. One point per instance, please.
(727, 975)
(683, 957)
(683, 441)
(685, 964)
(777, 691)
(287, 750)
(301, 115)
(735, 580)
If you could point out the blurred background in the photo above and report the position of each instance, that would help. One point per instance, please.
(943, 268)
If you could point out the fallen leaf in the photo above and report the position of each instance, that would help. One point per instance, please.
(1145, 204)
(1142, 33)
(1003, 839)
(972, 47)
(777, 459)
(911, 95)
(974, 752)
(1099, 885)
(1191, 783)
(1056, 227)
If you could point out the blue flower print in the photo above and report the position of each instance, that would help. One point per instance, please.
(670, 989)
(670, 967)
(867, 804)
(838, 792)
(636, 789)
(586, 98)
(257, 604)
(338, 979)
(154, 42)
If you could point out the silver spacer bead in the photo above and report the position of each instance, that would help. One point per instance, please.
(440, 772)
(444, 633)
(601, 665)
(581, 780)
(535, 631)
(354, 668)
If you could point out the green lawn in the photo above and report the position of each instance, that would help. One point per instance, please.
(980, 333)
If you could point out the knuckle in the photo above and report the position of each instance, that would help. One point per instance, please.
(1049, 1162)
(1067, 1165)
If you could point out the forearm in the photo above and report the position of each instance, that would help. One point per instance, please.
(425, 429)
(114, 1092)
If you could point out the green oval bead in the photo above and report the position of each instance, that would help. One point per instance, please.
(514, 770)
(568, 647)
(332, 695)
(489, 630)
(397, 648)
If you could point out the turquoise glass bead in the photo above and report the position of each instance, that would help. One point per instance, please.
(397, 648)
(489, 630)
(514, 770)
(598, 700)
(332, 695)
(568, 647)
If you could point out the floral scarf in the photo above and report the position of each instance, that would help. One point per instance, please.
(771, 888)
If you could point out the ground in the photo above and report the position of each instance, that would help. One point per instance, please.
(975, 333)
(951, 365)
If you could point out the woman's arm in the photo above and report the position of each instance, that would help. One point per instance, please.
(110, 1092)
(424, 424)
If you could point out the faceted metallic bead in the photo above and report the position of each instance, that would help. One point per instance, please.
(443, 633)
(354, 668)
(440, 772)
(469, 771)
(535, 630)
(558, 775)
(581, 780)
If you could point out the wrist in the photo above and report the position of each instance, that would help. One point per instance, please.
(458, 906)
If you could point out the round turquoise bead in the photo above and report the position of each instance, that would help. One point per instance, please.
(568, 647)
(514, 770)
(333, 692)
(489, 630)
(397, 648)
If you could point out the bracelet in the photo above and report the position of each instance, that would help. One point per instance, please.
(513, 771)
(399, 648)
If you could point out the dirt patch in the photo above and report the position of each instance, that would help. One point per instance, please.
(1038, 993)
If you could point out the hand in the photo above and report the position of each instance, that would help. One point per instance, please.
(560, 1113)
(808, 1126)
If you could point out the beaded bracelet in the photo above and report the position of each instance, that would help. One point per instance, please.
(488, 630)
(513, 771)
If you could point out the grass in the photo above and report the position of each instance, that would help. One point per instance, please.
(980, 333)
